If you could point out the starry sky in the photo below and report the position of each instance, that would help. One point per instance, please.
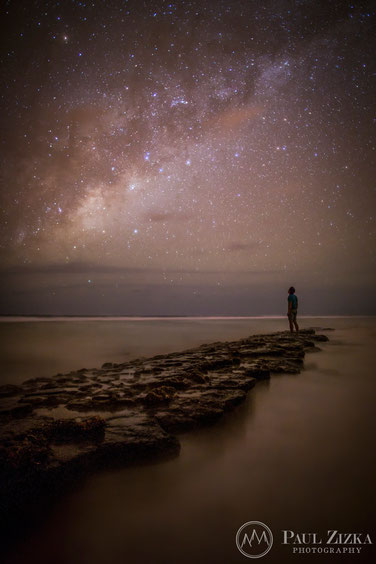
(187, 157)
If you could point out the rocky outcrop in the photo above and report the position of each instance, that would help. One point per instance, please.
(55, 429)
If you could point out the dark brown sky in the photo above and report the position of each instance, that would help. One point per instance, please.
(188, 157)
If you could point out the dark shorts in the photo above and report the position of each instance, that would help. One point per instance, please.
(292, 315)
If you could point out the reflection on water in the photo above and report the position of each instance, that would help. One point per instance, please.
(296, 455)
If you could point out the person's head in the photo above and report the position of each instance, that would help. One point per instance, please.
(292, 290)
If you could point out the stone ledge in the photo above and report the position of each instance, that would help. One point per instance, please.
(56, 429)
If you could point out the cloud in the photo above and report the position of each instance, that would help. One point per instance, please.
(69, 268)
(93, 269)
(239, 246)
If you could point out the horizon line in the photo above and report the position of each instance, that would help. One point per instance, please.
(26, 317)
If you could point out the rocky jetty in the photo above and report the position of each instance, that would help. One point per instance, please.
(56, 429)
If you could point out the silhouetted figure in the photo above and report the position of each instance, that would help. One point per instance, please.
(292, 302)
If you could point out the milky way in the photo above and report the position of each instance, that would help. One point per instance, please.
(186, 143)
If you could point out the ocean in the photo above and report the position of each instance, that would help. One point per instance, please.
(44, 346)
(298, 455)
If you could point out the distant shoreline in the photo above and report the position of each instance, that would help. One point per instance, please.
(50, 317)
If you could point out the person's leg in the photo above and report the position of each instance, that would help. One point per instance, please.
(290, 323)
(296, 326)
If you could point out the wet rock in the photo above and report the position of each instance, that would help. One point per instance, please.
(177, 382)
(197, 377)
(12, 409)
(101, 397)
(314, 349)
(320, 338)
(85, 387)
(255, 371)
(26, 455)
(262, 352)
(8, 390)
(75, 430)
(55, 390)
(18, 428)
(308, 344)
(81, 404)
(134, 407)
(163, 394)
(36, 381)
(129, 440)
(194, 410)
(63, 380)
(41, 401)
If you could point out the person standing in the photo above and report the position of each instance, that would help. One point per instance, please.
(292, 309)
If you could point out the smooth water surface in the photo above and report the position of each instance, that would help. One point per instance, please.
(46, 346)
(298, 454)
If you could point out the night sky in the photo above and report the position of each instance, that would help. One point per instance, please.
(188, 157)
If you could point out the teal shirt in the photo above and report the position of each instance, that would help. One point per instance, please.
(294, 301)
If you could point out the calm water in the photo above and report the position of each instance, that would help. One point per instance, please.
(45, 347)
(298, 454)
